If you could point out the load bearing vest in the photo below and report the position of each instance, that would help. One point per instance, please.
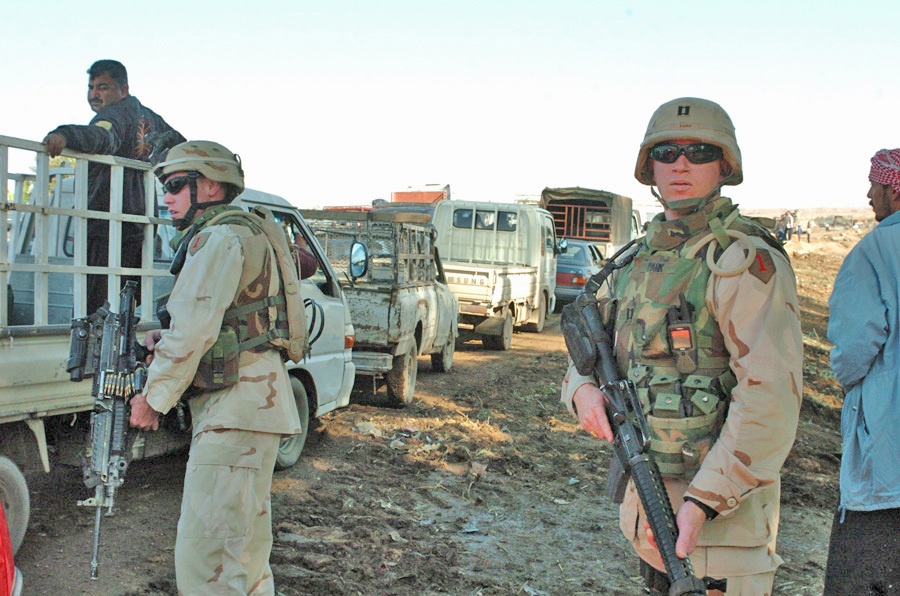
(671, 347)
(275, 321)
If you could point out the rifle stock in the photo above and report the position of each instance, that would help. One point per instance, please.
(104, 346)
(590, 344)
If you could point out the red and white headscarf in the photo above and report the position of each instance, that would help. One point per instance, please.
(886, 168)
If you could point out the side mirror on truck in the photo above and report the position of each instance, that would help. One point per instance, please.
(359, 260)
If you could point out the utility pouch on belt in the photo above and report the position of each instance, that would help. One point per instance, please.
(219, 366)
(681, 336)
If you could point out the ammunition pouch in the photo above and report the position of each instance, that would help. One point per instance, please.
(219, 366)
(685, 419)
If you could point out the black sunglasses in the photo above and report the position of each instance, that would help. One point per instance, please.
(174, 185)
(695, 152)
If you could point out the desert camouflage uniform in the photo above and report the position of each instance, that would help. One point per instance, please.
(748, 325)
(225, 530)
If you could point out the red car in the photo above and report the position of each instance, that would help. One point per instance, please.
(10, 577)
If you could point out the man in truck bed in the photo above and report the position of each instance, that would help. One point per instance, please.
(125, 128)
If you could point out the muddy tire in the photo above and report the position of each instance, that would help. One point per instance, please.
(503, 341)
(401, 380)
(15, 500)
(291, 447)
(443, 360)
(538, 326)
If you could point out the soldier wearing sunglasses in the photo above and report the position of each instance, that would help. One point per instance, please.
(123, 127)
(707, 328)
(217, 353)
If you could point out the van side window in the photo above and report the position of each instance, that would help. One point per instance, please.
(462, 218)
(485, 220)
(508, 221)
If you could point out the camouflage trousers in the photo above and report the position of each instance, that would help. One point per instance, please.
(225, 530)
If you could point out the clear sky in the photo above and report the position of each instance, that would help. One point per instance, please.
(334, 102)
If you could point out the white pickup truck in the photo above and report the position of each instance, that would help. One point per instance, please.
(500, 261)
(399, 300)
(44, 416)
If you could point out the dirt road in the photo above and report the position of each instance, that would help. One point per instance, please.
(484, 486)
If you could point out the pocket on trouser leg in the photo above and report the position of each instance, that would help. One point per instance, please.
(219, 498)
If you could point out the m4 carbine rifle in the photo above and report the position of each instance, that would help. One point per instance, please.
(104, 346)
(590, 342)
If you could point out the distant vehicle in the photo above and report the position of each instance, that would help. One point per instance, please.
(604, 218)
(500, 261)
(580, 260)
(836, 223)
(10, 577)
(399, 302)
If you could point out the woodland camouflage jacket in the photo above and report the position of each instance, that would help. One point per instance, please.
(757, 317)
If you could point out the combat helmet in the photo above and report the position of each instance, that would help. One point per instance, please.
(696, 119)
(210, 159)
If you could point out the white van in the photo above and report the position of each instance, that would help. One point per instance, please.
(500, 261)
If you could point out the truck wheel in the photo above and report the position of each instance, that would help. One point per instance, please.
(504, 340)
(538, 326)
(443, 361)
(291, 447)
(16, 504)
(401, 380)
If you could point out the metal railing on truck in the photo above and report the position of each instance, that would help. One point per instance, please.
(44, 249)
(400, 244)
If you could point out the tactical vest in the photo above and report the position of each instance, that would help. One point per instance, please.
(257, 319)
(667, 341)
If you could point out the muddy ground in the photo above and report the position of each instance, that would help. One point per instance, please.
(485, 486)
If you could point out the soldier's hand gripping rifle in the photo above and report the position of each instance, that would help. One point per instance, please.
(104, 346)
(590, 341)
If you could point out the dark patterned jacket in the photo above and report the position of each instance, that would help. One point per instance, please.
(125, 129)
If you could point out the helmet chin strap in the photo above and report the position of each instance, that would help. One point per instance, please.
(695, 204)
(183, 222)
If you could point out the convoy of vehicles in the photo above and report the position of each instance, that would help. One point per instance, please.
(391, 285)
(399, 300)
(44, 416)
(500, 261)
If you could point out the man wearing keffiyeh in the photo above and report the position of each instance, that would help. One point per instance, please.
(864, 326)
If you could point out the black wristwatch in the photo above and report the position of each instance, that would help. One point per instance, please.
(709, 511)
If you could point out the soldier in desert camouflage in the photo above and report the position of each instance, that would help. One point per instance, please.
(708, 329)
(240, 399)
